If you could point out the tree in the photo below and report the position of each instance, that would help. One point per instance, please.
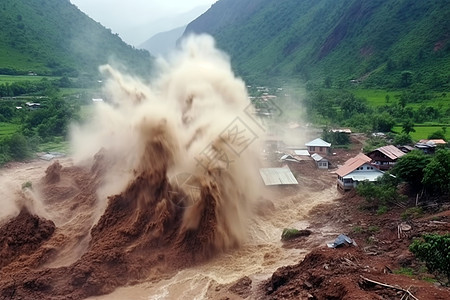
(402, 139)
(408, 127)
(434, 250)
(18, 147)
(328, 82)
(350, 105)
(336, 138)
(406, 78)
(403, 100)
(436, 175)
(383, 122)
(380, 193)
(439, 134)
(410, 168)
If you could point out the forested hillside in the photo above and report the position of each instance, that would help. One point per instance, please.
(53, 37)
(378, 42)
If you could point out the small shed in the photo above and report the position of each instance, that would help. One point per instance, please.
(406, 148)
(288, 158)
(319, 146)
(277, 176)
(33, 105)
(322, 163)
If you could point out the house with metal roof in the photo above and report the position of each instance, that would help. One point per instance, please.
(429, 146)
(355, 170)
(406, 148)
(385, 157)
(321, 163)
(289, 158)
(319, 146)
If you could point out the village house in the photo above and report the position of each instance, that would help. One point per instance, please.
(355, 170)
(321, 163)
(33, 105)
(341, 130)
(297, 160)
(385, 157)
(319, 146)
(429, 146)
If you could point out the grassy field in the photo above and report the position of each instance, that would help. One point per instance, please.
(19, 78)
(7, 129)
(55, 146)
(378, 98)
(423, 131)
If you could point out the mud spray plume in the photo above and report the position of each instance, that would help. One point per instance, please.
(164, 177)
(196, 111)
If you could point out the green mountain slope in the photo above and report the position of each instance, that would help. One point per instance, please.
(54, 37)
(369, 40)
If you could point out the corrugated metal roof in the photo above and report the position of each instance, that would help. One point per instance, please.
(301, 152)
(436, 141)
(277, 176)
(318, 143)
(343, 130)
(316, 157)
(353, 163)
(288, 157)
(390, 151)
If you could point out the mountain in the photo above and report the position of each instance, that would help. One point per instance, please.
(53, 37)
(139, 34)
(163, 42)
(370, 41)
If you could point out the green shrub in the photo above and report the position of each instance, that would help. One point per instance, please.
(27, 185)
(382, 210)
(291, 233)
(412, 213)
(374, 229)
(379, 194)
(434, 250)
(404, 271)
(357, 229)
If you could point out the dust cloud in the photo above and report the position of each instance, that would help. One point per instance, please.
(197, 110)
(163, 177)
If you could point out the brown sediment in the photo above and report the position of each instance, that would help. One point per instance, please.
(141, 234)
(52, 174)
(22, 235)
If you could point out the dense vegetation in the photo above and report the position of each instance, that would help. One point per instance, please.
(49, 54)
(24, 128)
(342, 107)
(53, 37)
(434, 250)
(428, 179)
(375, 43)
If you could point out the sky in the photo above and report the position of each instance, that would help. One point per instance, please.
(127, 17)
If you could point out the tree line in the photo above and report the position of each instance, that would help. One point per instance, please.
(340, 107)
(51, 120)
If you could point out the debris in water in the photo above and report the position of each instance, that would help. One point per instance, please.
(342, 240)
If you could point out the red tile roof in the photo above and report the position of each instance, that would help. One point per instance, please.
(352, 164)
